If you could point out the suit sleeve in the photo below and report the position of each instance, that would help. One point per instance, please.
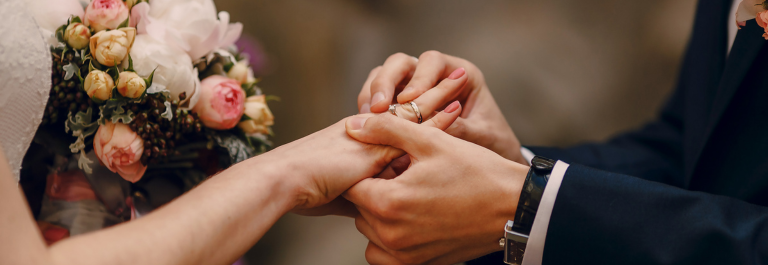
(654, 152)
(608, 218)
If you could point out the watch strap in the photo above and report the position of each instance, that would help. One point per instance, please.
(531, 194)
(516, 232)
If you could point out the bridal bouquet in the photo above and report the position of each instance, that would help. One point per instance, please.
(150, 91)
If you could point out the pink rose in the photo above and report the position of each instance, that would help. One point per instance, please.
(762, 20)
(221, 102)
(120, 150)
(105, 14)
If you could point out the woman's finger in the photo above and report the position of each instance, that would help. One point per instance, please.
(435, 98)
(364, 98)
(425, 79)
(397, 69)
(430, 69)
(385, 129)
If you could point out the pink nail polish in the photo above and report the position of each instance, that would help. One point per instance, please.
(453, 107)
(457, 73)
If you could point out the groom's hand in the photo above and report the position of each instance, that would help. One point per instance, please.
(328, 162)
(449, 206)
(481, 122)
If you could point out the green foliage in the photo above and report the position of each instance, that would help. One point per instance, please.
(70, 70)
(81, 126)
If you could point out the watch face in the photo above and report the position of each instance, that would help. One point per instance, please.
(513, 252)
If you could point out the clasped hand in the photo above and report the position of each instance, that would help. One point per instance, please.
(433, 193)
(460, 186)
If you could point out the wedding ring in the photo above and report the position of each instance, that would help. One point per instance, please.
(416, 110)
(393, 109)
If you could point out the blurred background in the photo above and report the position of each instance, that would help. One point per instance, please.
(563, 72)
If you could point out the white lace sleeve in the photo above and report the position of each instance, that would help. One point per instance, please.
(25, 80)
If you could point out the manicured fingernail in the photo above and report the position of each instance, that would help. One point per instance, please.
(407, 90)
(457, 73)
(376, 98)
(366, 108)
(357, 123)
(453, 107)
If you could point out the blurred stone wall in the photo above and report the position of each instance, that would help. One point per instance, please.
(563, 72)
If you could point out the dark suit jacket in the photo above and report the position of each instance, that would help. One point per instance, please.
(688, 188)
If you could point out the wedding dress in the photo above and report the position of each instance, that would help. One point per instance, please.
(25, 80)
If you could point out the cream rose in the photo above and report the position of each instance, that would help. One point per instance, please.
(99, 85)
(77, 35)
(261, 117)
(105, 14)
(120, 149)
(174, 68)
(221, 102)
(110, 48)
(131, 85)
(241, 72)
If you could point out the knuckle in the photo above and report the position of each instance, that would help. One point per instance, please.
(370, 255)
(431, 55)
(380, 122)
(375, 71)
(393, 240)
(392, 205)
(431, 134)
(385, 208)
(379, 84)
(398, 56)
(360, 224)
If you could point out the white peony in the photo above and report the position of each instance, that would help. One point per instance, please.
(174, 68)
(192, 25)
(52, 14)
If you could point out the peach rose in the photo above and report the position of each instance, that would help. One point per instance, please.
(261, 118)
(99, 85)
(77, 35)
(110, 48)
(241, 72)
(221, 102)
(120, 149)
(105, 14)
(131, 85)
(762, 20)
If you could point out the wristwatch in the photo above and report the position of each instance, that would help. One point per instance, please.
(516, 232)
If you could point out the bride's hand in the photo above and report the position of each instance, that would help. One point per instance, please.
(319, 167)
(481, 121)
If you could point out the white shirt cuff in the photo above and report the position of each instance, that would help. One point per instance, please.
(527, 154)
(534, 251)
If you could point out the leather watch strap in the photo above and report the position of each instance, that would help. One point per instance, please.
(516, 237)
